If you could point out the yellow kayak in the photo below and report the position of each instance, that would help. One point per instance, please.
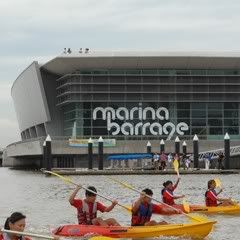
(233, 209)
(193, 230)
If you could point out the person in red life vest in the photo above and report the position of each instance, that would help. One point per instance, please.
(16, 222)
(167, 192)
(88, 207)
(143, 209)
(211, 196)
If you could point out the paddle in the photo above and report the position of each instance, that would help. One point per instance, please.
(197, 218)
(219, 185)
(68, 180)
(186, 206)
(27, 234)
(176, 166)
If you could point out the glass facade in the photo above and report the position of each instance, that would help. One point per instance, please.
(206, 100)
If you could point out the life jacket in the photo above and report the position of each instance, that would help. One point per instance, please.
(170, 199)
(209, 201)
(84, 215)
(142, 216)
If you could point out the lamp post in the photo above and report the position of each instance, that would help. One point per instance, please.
(100, 153)
(184, 148)
(162, 146)
(90, 153)
(227, 151)
(149, 147)
(48, 153)
(177, 145)
(195, 150)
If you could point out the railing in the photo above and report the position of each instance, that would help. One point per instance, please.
(214, 154)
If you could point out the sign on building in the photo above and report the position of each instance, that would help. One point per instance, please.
(130, 127)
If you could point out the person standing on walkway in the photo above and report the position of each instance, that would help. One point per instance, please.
(156, 158)
(163, 161)
(170, 158)
(220, 160)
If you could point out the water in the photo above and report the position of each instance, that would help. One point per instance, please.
(44, 200)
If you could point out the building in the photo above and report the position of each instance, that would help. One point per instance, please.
(131, 97)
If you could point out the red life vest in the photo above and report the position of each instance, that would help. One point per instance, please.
(169, 198)
(142, 216)
(211, 201)
(84, 215)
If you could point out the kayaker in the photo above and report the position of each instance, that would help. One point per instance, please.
(143, 209)
(167, 192)
(16, 222)
(88, 207)
(211, 196)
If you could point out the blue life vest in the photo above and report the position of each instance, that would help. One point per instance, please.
(142, 216)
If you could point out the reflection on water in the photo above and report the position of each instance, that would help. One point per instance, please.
(45, 199)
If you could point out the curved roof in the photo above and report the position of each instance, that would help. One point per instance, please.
(68, 63)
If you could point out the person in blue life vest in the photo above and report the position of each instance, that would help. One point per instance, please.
(212, 199)
(87, 208)
(143, 209)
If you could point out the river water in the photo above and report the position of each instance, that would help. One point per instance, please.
(44, 200)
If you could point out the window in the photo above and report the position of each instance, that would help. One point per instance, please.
(199, 131)
(198, 114)
(231, 122)
(199, 122)
(232, 130)
(215, 122)
(215, 131)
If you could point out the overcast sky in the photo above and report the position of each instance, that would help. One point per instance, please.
(38, 30)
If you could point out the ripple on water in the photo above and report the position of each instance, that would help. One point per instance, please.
(45, 199)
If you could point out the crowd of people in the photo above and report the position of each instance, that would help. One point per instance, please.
(164, 161)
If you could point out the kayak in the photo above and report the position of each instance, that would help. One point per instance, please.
(193, 230)
(233, 209)
(100, 238)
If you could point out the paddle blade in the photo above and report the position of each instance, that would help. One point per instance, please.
(218, 182)
(186, 206)
(176, 165)
(198, 218)
(234, 202)
(128, 208)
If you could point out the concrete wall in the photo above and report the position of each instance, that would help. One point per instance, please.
(60, 148)
(29, 98)
(24, 149)
(55, 126)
